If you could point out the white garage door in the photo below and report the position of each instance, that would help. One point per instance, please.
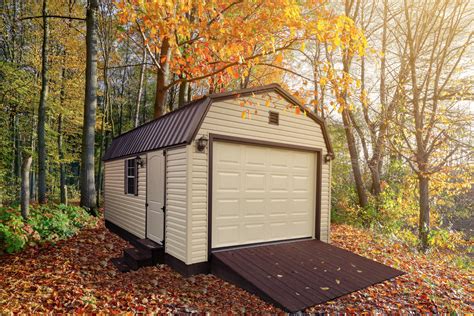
(261, 194)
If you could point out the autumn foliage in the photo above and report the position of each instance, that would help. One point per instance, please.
(223, 40)
(76, 276)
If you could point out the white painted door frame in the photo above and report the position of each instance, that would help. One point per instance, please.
(155, 196)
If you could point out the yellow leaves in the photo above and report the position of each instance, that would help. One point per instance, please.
(323, 81)
(244, 114)
(267, 103)
(303, 46)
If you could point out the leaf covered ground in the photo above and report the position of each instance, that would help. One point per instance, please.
(76, 275)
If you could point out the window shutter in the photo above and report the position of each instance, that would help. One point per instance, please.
(136, 176)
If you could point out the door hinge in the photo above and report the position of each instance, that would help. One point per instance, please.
(146, 204)
(163, 209)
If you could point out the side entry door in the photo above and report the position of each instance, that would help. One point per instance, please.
(155, 196)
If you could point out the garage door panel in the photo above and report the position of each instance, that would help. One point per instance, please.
(279, 230)
(261, 194)
(254, 182)
(228, 181)
(229, 207)
(302, 161)
(300, 228)
(301, 206)
(253, 231)
(227, 234)
(254, 157)
(253, 207)
(279, 160)
(278, 206)
(279, 183)
(229, 155)
(301, 183)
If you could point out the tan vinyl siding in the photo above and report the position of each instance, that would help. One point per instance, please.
(198, 224)
(176, 203)
(124, 210)
(225, 118)
(328, 223)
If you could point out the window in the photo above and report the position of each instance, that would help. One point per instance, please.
(131, 176)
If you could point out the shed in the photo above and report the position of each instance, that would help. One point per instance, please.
(227, 170)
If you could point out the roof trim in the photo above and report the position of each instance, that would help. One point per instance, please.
(274, 87)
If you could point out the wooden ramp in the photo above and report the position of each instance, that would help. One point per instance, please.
(299, 274)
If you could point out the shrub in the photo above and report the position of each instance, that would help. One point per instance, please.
(13, 235)
(45, 223)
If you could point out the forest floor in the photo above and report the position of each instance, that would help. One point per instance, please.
(76, 275)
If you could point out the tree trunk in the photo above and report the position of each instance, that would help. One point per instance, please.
(351, 142)
(88, 191)
(354, 154)
(144, 105)
(33, 195)
(105, 117)
(16, 144)
(161, 79)
(62, 171)
(190, 92)
(140, 89)
(42, 110)
(424, 224)
(183, 91)
(25, 186)
(374, 165)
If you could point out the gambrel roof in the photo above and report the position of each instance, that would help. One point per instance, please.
(181, 126)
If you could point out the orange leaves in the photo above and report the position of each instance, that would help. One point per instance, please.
(211, 35)
(279, 59)
(71, 277)
(233, 72)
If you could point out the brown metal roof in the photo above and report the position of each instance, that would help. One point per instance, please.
(180, 126)
(174, 128)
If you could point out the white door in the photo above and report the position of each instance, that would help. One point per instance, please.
(155, 196)
(261, 194)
